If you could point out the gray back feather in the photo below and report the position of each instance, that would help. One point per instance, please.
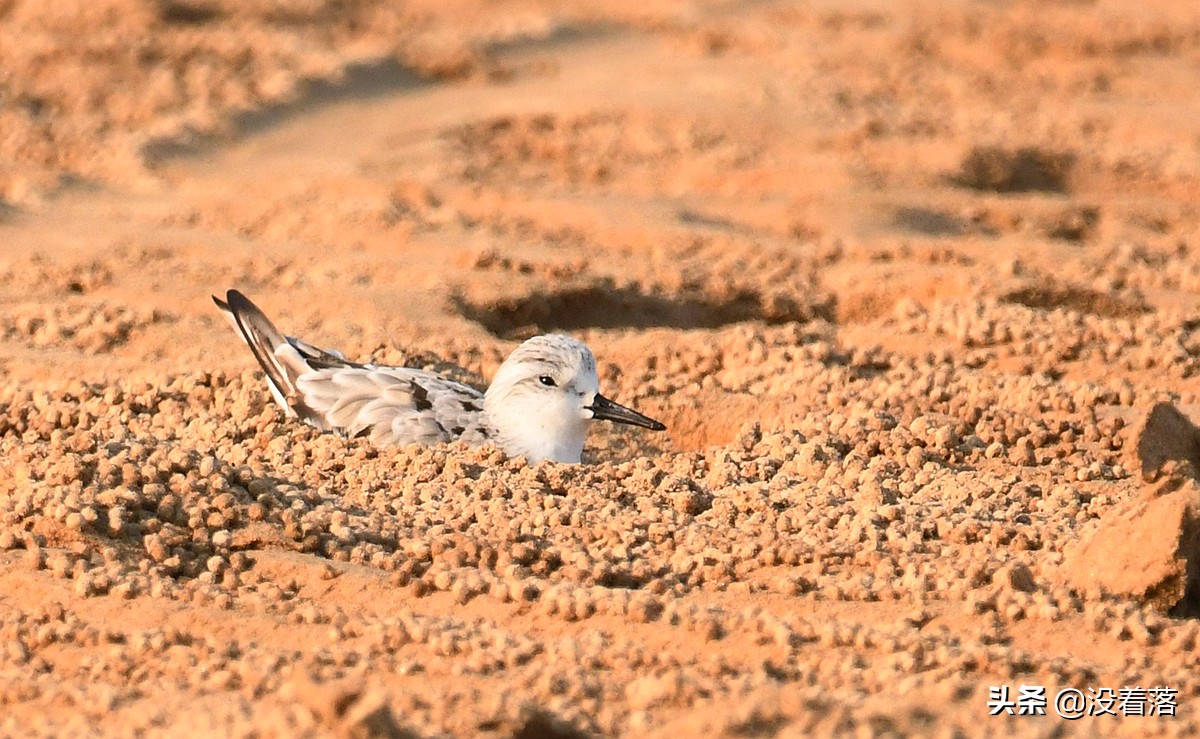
(393, 405)
(390, 405)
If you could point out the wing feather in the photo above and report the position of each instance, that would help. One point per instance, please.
(392, 405)
(398, 405)
(279, 359)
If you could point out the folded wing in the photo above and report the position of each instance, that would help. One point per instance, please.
(390, 405)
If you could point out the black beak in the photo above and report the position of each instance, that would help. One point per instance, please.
(607, 410)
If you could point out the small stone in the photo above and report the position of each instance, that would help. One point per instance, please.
(1015, 577)
(1143, 549)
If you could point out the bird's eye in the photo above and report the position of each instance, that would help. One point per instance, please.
(548, 381)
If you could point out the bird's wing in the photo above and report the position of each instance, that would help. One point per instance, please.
(391, 405)
(317, 357)
(281, 360)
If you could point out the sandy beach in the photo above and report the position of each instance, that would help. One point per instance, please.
(913, 285)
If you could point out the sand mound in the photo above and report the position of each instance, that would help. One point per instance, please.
(1167, 436)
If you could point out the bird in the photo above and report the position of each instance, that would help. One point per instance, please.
(539, 405)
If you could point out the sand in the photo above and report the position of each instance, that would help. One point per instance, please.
(905, 280)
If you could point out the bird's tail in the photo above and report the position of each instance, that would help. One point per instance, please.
(279, 359)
